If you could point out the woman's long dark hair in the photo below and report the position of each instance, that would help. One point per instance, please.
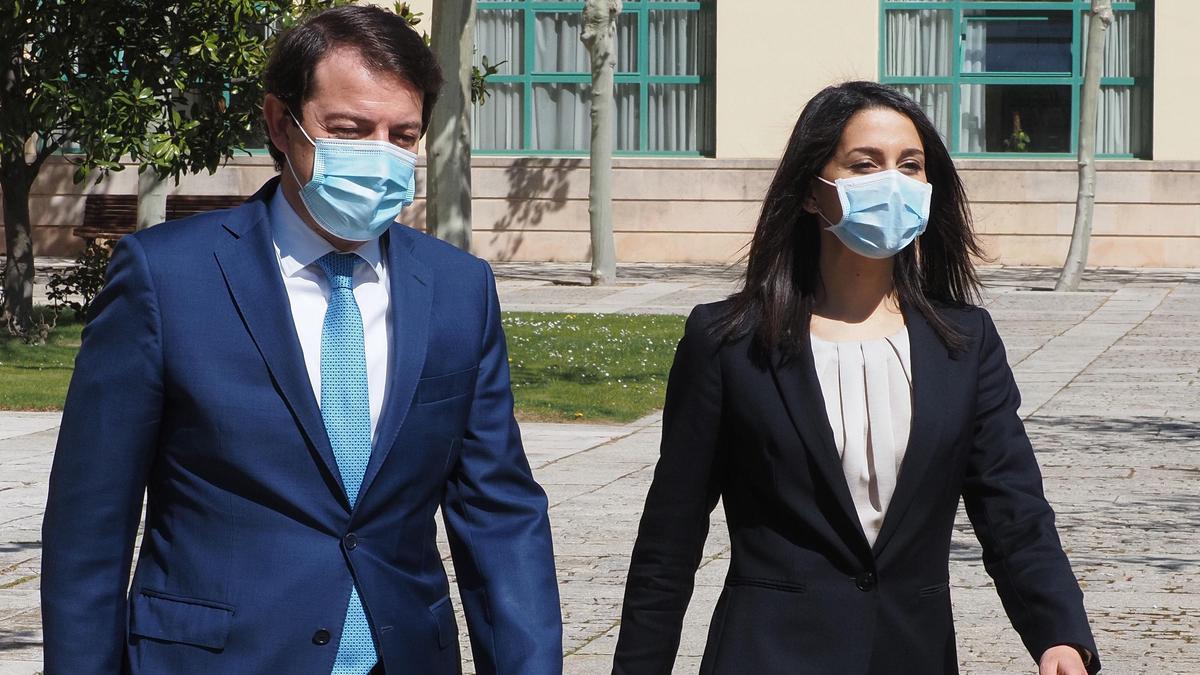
(783, 265)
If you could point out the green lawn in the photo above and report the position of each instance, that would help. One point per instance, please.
(590, 367)
(565, 367)
(36, 377)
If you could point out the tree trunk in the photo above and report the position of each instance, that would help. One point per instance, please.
(599, 27)
(448, 169)
(17, 311)
(152, 199)
(1081, 234)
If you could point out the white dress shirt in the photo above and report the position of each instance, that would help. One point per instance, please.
(867, 388)
(297, 248)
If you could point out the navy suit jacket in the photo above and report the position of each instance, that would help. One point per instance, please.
(190, 388)
(806, 592)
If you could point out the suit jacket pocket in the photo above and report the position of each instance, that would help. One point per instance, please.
(769, 584)
(447, 628)
(935, 589)
(172, 618)
(443, 387)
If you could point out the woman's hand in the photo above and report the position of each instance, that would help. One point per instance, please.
(1061, 660)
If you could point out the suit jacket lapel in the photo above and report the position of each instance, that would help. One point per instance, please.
(248, 263)
(930, 367)
(797, 381)
(411, 301)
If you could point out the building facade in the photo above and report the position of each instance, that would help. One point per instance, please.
(707, 92)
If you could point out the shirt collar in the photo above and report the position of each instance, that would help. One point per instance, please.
(298, 246)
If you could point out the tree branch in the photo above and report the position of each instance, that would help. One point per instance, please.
(48, 149)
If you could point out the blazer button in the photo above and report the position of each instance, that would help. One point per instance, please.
(350, 541)
(321, 637)
(865, 581)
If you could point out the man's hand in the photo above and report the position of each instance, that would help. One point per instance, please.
(1061, 660)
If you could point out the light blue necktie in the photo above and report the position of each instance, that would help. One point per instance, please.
(346, 409)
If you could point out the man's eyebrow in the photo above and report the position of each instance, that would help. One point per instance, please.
(358, 119)
(347, 116)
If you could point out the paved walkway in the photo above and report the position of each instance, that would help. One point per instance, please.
(1111, 383)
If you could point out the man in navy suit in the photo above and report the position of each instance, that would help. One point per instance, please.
(296, 386)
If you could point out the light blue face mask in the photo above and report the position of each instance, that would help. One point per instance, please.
(358, 187)
(881, 213)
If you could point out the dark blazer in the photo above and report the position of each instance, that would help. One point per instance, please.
(805, 593)
(190, 388)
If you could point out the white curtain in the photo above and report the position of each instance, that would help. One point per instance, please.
(496, 124)
(679, 114)
(562, 117)
(1124, 111)
(920, 43)
(934, 99)
(561, 112)
(972, 103)
(559, 50)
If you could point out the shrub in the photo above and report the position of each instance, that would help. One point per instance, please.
(76, 288)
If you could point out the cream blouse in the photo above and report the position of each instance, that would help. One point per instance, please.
(867, 388)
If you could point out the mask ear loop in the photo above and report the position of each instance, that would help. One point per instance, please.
(818, 208)
(307, 137)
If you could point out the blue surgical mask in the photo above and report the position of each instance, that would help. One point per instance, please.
(357, 187)
(882, 213)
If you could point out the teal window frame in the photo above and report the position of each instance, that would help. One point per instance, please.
(640, 77)
(957, 78)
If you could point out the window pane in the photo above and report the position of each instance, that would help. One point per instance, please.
(1015, 118)
(919, 43)
(679, 42)
(498, 36)
(679, 119)
(934, 99)
(1128, 44)
(1011, 41)
(1123, 122)
(496, 123)
(628, 112)
(562, 117)
(559, 49)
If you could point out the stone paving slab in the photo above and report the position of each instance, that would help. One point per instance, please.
(1111, 383)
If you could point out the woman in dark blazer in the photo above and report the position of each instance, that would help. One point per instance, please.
(840, 517)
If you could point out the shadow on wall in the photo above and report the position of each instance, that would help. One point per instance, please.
(536, 187)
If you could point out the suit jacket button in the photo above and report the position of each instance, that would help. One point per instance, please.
(350, 541)
(321, 637)
(865, 581)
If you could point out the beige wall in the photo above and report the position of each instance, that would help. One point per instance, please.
(1176, 82)
(773, 55)
(687, 210)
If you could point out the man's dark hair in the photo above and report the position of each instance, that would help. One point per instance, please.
(386, 43)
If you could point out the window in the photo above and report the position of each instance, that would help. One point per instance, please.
(539, 103)
(1004, 76)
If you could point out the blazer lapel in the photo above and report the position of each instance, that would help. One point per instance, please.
(797, 381)
(930, 367)
(411, 285)
(248, 263)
